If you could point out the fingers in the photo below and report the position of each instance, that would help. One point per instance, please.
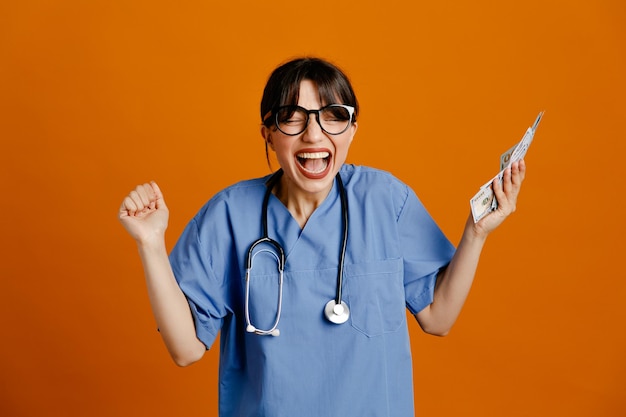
(498, 189)
(507, 190)
(159, 200)
(518, 172)
(143, 198)
(514, 176)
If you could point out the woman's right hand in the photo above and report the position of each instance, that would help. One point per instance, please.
(143, 213)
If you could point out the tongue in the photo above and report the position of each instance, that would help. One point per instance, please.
(313, 165)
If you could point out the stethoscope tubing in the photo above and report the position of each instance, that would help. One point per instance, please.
(344, 240)
(336, 310)
(250, 327)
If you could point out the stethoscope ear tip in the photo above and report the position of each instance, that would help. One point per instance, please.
(251, 329)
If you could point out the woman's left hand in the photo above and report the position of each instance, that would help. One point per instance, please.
(506, 193)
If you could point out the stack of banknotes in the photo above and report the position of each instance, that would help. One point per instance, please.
(484, 202)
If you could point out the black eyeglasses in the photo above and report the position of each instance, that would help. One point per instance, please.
(334, 119)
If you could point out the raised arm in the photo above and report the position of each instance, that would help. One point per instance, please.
(144, 215)
(454, 282)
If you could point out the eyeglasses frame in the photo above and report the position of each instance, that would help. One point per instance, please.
(308, 112)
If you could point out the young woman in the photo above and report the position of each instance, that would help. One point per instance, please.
(307, 272)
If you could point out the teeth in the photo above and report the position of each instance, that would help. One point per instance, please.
(313, 155)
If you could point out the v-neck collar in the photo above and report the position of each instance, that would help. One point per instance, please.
(284, 228)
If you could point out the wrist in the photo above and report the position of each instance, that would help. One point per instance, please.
(152, 243)
(474, 233)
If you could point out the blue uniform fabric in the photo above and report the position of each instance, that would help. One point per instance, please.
(314, 368)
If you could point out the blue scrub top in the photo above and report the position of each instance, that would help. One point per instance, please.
(314, 368)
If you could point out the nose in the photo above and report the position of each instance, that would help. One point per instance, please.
(313, 131)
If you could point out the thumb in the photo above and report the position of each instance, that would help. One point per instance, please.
(160, 201)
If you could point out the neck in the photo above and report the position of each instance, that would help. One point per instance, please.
(300, 204)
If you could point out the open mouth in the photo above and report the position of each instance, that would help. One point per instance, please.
(313, 164)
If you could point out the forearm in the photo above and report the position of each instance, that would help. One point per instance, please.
(169, 305)
(453, 284)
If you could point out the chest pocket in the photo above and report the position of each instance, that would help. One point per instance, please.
(375, 295)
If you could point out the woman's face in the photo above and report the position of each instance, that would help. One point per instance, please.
(311, 159)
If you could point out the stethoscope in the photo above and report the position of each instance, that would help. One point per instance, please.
(336, 310)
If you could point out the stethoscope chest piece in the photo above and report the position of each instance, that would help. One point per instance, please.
(337, 313)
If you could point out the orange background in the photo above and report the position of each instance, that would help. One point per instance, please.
(97, 96)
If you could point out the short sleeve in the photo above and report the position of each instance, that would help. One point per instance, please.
(191, 263)
(425, 251)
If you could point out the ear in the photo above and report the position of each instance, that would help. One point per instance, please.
(267, 136)
(354, 128)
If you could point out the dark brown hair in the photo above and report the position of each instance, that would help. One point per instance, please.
(283, 85)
